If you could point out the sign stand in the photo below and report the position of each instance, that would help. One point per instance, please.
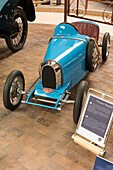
(88, 145)
(95, 122)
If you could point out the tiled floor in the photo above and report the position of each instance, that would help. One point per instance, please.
(34, 138)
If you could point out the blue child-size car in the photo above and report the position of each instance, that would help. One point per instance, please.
(73, 51)
(14, 15)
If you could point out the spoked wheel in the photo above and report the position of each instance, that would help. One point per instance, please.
(105, 46)
(79, 100)
(92, 56)
(11, 96)
(19, 30)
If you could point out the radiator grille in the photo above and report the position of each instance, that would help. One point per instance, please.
(48, 77)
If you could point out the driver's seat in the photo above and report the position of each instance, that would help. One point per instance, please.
(87, 28)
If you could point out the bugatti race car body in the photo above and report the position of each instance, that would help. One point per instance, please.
(14, 15)
(69, 57)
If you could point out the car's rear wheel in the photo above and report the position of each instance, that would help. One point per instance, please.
(11, 96)
(16, 40)
(91, 57)
(105, 46)
(79, 99)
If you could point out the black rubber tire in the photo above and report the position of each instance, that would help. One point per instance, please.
(105, 50)
(8, 86)
(89, 56)
(19, 36)
(80, 94)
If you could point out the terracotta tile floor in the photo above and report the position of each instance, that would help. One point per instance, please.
(34, 138)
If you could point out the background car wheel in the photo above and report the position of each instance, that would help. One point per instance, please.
(105, 46)
(91, 56)
(11, 97)
(79, 97)
(19, 30)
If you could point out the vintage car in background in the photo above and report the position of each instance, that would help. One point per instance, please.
(73, 51)
(14, 15)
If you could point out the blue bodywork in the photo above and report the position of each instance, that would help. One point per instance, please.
(67, 48)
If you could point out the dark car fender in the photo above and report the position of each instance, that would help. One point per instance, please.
(7, 8)
(28, 8)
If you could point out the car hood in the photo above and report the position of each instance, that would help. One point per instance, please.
(62, 47)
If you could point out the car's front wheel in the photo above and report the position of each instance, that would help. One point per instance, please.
(11, 96)
(79, 99)
(16, 40)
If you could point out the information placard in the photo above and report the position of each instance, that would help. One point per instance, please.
(97, 116)
(96, 119)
